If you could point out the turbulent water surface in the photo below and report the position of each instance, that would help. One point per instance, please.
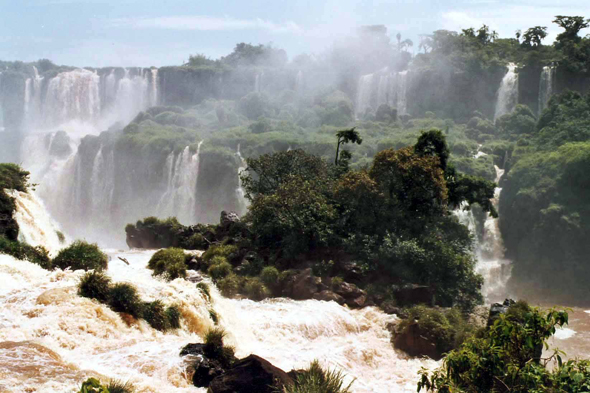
(51, 339)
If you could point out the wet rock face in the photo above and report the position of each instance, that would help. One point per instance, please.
(252, 374)
(204, 368)
(497, 309)
(412, 341)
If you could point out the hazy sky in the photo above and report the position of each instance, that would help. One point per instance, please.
(165, 32)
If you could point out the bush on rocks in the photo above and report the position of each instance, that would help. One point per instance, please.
(81, 255)
(124, 298)
(95, 285)
(169, 263)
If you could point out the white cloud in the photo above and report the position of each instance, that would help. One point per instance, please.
(205, 23)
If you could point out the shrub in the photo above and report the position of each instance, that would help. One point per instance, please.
(61, 237)
(81, 255)
(173, 315)
(168, 263)
(220, 270)
(255, 290)
(447, 329)
(116, 386)
(95, 285)
(270, 276)
(124, 298)
(214, 341)
(155, 314)
(229, 285)
(38, 255)
(214, 316)
(204, 288)
(92, 385)
(316, 379)
(336, 282)
(230, 252)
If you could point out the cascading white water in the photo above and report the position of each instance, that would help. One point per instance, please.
(546, 87)
(392, 89)
(258, 81)
(36, 227)
(507, 93)
(240, 193)
(72, 95)
(102, 183)
(180, 199)
(489, 249)
(364, 92)
(154, 87)
(132, 96)
(402, 91)
(299, 81)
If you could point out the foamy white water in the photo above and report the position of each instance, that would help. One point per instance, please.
(36, 227)
(45, 324)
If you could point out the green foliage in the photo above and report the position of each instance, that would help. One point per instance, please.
(229, 285)
(95, 285)
(270, 276)
(116, 386)
(123, 297)
(173, 315)
(168, 263)
(506, 358)
(214, 316)
(255, 289)
(219, 268)
(227, 251)
(38, 255)
(520, 121)
(447, 329)
(213, 341)
(316, 379)
(12, 177)
(204, 288)
(155, 314)
(81, 255)
(92, 385)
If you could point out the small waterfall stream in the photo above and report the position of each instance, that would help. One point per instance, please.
(546, 85)
(507, 93)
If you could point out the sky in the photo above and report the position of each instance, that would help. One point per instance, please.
(146, 33)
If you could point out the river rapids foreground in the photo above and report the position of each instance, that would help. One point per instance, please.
(51, 339)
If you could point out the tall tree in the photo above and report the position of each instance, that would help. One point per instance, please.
(344, 137)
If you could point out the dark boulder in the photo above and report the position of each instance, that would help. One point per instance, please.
(204, 369)
(412, 341)
(329, 296)
(497, 309)
(252, 374)
(228, 218)
(301, 286)
(353, 296)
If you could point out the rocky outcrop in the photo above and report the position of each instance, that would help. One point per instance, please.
(204, 368)
(226, 374)
(252, 374)
(413, 341)
(498, 309)
(353, 296)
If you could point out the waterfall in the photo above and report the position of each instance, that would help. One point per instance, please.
(73, 95)
(258, 81)
(299, 81)
(132, 96)
(243, 203)
(402, 91)
(154, 87)
(392, 88)
(364, 93)
(546, 87)
(489, 249)
(507, 93)
(180, 199)
(36, 227)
